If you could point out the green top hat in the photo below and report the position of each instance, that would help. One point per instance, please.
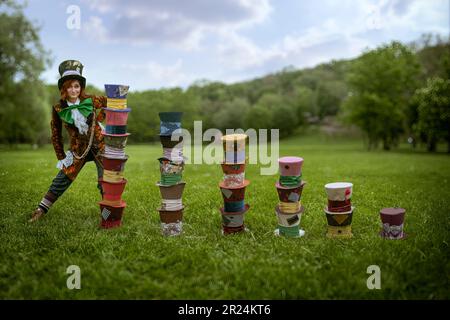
(71, 69)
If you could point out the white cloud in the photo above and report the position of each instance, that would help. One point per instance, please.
(359, 25)
(154, 74)
(179, 23)
(340, 30)
(95, 30)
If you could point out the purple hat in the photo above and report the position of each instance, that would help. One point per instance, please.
(392, 223)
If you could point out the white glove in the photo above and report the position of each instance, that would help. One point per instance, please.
(66, 162)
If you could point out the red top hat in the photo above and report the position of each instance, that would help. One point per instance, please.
(231, 194)
(290, 194)
(233, 168)
(393, 216)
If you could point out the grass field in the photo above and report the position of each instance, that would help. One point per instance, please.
(136, 262)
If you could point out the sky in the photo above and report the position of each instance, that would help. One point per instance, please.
(154, 44)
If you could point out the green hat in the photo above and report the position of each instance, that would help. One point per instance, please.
(71, 69)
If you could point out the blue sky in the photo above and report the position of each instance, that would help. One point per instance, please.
(152, 44)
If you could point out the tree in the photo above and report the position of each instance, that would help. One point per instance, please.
(231, 115)
(433, 105)
(23, 96)
(381, 82)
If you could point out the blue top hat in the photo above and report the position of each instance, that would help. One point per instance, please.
(170, 121)
(116, 91)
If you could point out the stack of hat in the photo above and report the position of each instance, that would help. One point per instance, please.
(339, 211)
(289, 187)
(233, 184)
(114, 158)
(171, 168)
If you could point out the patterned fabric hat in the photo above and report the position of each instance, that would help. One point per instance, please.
(71, 69)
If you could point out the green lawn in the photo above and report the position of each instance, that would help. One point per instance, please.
(136, 262)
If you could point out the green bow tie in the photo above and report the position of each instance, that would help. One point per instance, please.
(85, 107)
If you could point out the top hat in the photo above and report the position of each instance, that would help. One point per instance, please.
(233, 168)
(392, 220)
(71, 69)
(393, 216)
(339, 219)
(170, 121)
(167, 141)
(290, 194)
(234, 142)
(235, 193)
(170, 116)
(116, 117)
(171, 192)
(116, 91)
(339, 191)
(290, 166)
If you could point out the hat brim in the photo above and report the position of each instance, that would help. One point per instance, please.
(72, 77)
(171, 185)
(344, 212)
(299, 211)
(404, 236)
(122, 204)
(115, 135)
(165, 210)
(222, 185)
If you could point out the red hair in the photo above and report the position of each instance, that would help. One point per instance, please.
(67, 84)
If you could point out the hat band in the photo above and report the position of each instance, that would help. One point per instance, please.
(289, 231)
(392, 231)
(339, 206)
(170, 168)
(337, 232)
(167, 128)
(114, 153)
(232, 221)
(234, 180)
(71, 73)
(110, 129)
(171, 204)
(234, 206)
(289, 207)
(174, 154)
(115, 142)
(116, 103)
(290, 181)
(170, 179)
(112, 176)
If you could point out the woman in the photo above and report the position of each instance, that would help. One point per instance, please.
(77, 111)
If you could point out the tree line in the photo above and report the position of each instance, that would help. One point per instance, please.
(391, 92)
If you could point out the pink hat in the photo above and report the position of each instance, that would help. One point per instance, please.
(290, 166)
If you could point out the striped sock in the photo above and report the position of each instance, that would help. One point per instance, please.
(47, 201)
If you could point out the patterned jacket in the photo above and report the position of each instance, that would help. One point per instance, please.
(78, 142)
